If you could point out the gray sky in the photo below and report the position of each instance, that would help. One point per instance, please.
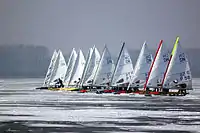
(66, 24)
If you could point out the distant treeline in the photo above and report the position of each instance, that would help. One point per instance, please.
(27, 61)
(23, 61)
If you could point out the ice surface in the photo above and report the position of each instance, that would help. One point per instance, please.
(24, 108)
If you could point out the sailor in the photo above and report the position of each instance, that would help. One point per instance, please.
(79, 79)
(107, 85)
(78, 82)
(91, 85)
(59, 83)
(56, 83)
(147, 90)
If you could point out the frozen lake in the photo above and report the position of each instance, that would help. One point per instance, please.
(24, 109)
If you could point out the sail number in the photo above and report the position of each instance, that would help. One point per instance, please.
(185, 75)
(129, 75)
(165, 57)
(182, 57)
(148, 59)
(146, 75)
(109, 75)
(109, 61)
(127, 60)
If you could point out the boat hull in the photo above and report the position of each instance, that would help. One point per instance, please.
(64, 89)
(42, 88)
(140, 92)
(58, 89)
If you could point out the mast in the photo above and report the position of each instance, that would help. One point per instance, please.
(145, 85)
(55, 65)
(78, 69)
(61, 67)
(86, 65)
(69, 61)
(117, 63)
(99, 65)
(173, 51)
(142, 65)
(50, 68)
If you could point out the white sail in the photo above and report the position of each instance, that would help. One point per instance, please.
(189, 75)
(142, 66)
(78, 69)
(91, 68)
(124, 68)
(70, 66)
(50, 69)
(105, 69)
(59, 69)
(159, 66)
(89, 55)
(178, 71)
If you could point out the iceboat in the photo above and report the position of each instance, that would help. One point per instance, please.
(57, 69)
(177, 78)
(157, 70)
(105, 69)
(74, 72)
(169, 74)
(93, 58)
(141, 70)
(122, 72)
